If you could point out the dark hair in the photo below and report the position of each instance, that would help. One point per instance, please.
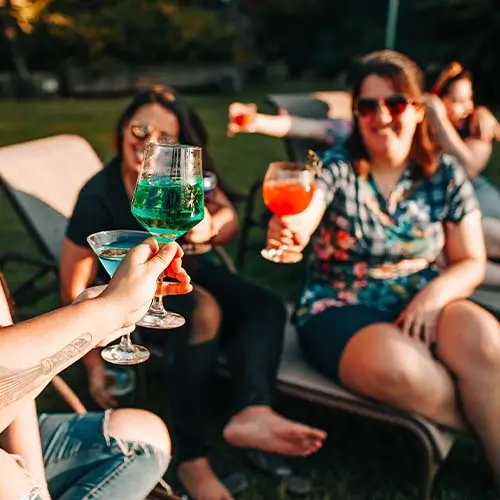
(407, 79)
(192, 131)
(449, 75)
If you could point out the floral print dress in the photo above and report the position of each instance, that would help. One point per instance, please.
(376, 252)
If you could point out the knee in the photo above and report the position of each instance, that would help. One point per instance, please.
(467, 330)
(207, 317)
(381, 369)
(139, 425)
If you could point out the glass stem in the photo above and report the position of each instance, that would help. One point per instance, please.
(156, 306)
(126, 343)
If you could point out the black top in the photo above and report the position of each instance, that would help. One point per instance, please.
(102, 205)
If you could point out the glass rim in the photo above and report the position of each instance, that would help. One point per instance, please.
(113, 231)
(172, 146)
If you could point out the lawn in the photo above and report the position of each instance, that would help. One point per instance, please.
(362, 459)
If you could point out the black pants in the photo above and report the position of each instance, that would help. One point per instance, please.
(253, 321)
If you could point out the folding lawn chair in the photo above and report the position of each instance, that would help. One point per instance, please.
(42, 179)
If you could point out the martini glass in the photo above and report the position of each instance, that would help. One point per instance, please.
(168, 201)
(111, 247)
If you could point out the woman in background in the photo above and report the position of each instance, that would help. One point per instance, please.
(467, 132)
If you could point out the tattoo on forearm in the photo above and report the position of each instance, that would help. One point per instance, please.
(16, 384)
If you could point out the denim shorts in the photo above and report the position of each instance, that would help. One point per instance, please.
(83, 462)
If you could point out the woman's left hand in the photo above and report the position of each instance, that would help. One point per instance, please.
(420, 318)
(202, 232)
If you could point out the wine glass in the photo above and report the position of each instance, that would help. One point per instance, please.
(111, 248)
(168, 201)
(209, 185)
(287, 189)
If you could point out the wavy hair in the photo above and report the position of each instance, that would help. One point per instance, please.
(407, 79)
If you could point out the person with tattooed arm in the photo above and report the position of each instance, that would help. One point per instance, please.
(116, 454)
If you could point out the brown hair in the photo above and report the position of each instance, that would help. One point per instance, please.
(449, 75)
(192, 131)
(407, 79)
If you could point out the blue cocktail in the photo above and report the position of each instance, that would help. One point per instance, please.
(111, 247)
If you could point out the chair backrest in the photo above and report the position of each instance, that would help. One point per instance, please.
(42, 178)
(321, 105)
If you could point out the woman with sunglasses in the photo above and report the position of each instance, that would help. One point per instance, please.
(467, 132)
(253, 317)
(376, 314)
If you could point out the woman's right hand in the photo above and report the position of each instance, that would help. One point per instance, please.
(99, 384)
(287, 231)
(134, 283)
(242, 118)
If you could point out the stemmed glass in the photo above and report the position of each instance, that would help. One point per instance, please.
(168, 201)
(287, 189)
(209, 185)
(111, 248)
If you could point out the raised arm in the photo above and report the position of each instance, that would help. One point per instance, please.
(473, 154)
(276, 125)
(33, 351)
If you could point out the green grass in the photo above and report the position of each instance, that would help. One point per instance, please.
(362, 460)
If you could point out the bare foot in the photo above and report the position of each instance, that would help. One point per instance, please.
(200, 482)
(262, 428)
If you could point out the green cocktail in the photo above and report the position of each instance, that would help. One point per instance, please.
(168, 208)
(168, 201)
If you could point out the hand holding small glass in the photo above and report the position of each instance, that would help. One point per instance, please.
(167, 258)
(241, 118)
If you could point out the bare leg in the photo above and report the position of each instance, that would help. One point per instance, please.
(381, 363)
(469, 344)
(18, 484)
(200, 480)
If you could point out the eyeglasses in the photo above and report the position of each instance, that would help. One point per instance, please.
(143, 131)
(396, 105)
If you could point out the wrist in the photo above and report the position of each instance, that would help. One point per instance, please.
(109, 315)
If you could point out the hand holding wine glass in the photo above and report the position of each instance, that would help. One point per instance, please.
(288, 189)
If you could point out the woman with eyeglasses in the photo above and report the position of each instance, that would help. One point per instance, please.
(377, 315)
(253, 318)
(467, 132)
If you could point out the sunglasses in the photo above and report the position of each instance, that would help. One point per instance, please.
(143, 131)
(396, 105)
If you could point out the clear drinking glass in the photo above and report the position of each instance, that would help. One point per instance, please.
(287, 189)
(168, 201)
(209, 185)
(111, 247)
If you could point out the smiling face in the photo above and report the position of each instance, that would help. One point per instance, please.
(159, 121)
(458, 101)
(387, 137)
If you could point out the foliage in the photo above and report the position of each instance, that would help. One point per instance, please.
(125, 31)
